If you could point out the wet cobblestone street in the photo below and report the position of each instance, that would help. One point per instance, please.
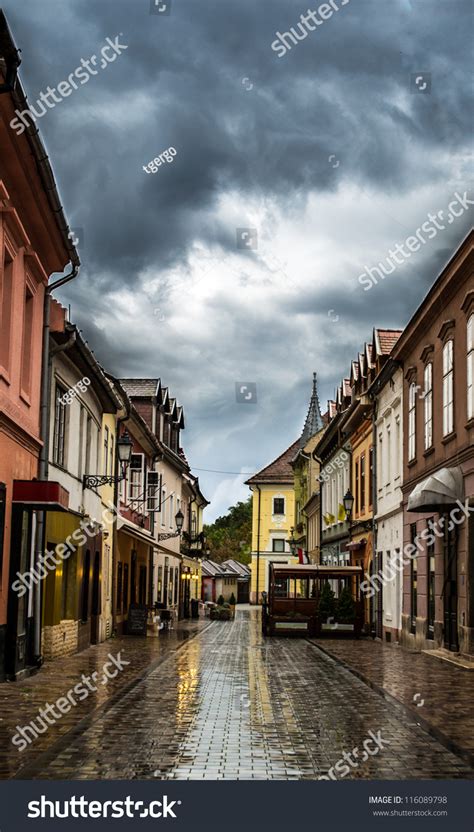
(230, 705)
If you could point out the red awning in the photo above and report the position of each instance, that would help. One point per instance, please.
(38, 494)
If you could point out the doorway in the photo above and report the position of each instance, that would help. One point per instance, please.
(450, 587)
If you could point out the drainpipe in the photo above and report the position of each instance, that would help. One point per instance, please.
(45, 407)
(258, 543)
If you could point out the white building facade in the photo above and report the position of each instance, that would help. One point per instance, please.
(389, 512)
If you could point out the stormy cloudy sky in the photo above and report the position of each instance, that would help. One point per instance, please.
(331, 152)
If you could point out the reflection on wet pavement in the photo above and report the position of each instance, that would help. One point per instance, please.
(230, 705)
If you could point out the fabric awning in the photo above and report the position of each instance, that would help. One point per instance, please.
(40, 495)
(438, 492)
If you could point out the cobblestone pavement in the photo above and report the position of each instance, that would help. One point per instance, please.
(20, 701)
(229, 705)
(437, 692)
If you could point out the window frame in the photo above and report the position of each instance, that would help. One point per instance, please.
(278, 513)
(59, 427)
(412, 422)
(470, 366)
(428, 406)
(448, 387)
(278, 540)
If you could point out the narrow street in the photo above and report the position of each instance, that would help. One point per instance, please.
(230, 705)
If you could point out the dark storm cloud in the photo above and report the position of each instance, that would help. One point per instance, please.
(344, 91)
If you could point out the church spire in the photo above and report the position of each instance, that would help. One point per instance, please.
(314, 420)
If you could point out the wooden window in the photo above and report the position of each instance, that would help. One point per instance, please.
(371, 476)
(357, 488)
(412, 422)
(448, 388)
(153, 491)
(362, 483)
(278, 505)
(136, 488)
(59, 435)
(470, 367)
(111, 456)
(278, 544)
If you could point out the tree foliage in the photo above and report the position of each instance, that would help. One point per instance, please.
(230, 536)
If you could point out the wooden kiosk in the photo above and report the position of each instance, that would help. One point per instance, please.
(297, 602)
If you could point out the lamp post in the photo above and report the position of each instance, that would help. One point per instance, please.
(124, 453)
(348, 502)
(179, 520)
(292, 542)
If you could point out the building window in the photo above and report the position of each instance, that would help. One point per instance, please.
(278, 505)
(428, 404)
(362, 484)
(371, 476)
(6, 298)
(27, 343)
(153, 491)
(430, 553)
(448, 388)
(470, 367)
(119, 586)
(171, 512)
(106, 450)
(59, 435)
(357, 488)
(412, 423)
(413, 579)
(136, 493)
(111, 455)
(278, 544)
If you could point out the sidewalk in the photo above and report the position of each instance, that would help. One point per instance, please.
(20, 701)
(438, 694)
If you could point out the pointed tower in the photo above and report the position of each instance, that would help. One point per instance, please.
(314, 420)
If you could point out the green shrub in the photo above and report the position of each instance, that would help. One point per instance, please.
(220, 601)
(345, 607)
(327, 603)
(232, 600)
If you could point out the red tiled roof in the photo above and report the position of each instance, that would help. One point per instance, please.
(279, 470)
(387, 338)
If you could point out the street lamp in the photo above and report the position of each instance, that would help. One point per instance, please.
(348, 502)
(124, 453)
(292, 542)
(179, 520)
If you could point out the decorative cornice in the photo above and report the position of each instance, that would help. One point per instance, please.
(446, 329)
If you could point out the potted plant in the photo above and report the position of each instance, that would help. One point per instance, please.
(327, 603)
(345, 607)
(232, 603)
